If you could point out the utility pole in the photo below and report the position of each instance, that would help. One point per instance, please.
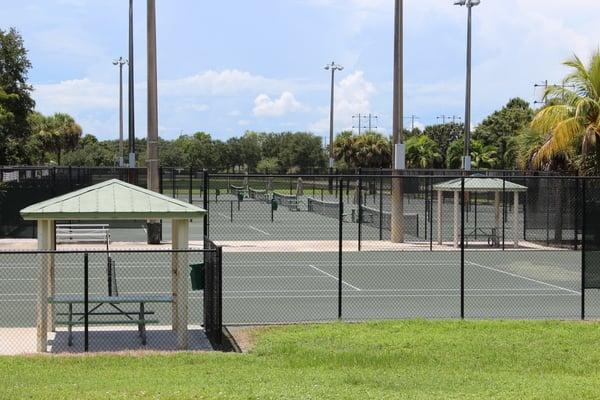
(547, 85)
(131, 94)
(120, 62)
(448, 117)
(154, 227)
(467, 152)
(412, 118)
(369, 117)
(399, 155)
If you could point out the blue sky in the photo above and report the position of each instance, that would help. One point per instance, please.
(235, 65)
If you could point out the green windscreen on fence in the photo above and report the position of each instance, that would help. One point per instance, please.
(591, 249)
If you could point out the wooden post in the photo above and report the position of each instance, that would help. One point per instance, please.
(440, 199)
(51, 276)
(180, 267)
(44, 241)
(515, 219)
(456, 219)
(174, 263)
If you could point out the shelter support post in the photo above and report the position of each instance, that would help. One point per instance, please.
(456, 217)
(440, 201)
(515, 219)
(45, 239)
(180, 284)
(51, 276)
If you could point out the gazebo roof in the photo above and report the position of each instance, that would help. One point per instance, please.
(479, 184)
(112, 200)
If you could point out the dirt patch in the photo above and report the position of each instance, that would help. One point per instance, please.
(245, 336)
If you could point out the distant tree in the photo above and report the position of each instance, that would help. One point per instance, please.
(57, 134)
(251, 150)
(268, 166)
(571, 122)
(499, 128)
(16, 102)
(369, 150)
(444, 134)
(423, 152)
(482, 156)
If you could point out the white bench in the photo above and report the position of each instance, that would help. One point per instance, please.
(83, 233)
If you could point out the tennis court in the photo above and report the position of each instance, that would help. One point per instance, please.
(301, 287)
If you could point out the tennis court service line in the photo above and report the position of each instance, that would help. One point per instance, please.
(523, 277)
(335, 277)
(258, 230)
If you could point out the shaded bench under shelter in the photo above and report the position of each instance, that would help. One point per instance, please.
(477, 184)
(112, 200)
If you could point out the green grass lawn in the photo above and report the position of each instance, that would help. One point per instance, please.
(387, 360)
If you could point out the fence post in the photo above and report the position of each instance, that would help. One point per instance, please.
(86, 299)
(360, 208)
(341, 246)
(160, 180)
(191, 186)
(53, 190)
(583, 247)
(576, 227)
(503, 210)
(430, 214)
(173, 177)
(206, 205)
(462, 249)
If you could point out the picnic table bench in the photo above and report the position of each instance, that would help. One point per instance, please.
(122, 317)
(493, 240)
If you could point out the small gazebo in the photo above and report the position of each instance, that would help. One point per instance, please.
(477, 184)
(106, 201)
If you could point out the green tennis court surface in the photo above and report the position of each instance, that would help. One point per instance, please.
(299, 287)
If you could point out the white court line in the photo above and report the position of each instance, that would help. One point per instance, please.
(401, 296)
(258, 230)
(223, 215)
(523, 277)
(272, 276)
(335, 277)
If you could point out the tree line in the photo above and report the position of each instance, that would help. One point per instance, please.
(562, 135)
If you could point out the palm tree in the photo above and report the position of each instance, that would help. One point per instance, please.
(370, 150)
(572, 118)
(482, 156)
(422, 152)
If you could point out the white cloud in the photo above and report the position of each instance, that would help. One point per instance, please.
(220, 83)
(75, 95)
(264, 106)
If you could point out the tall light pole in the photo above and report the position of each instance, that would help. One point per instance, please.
(120, 62)
(397, 222)
(332, 67)
(154, 227)
(131, 92)
(466, 164)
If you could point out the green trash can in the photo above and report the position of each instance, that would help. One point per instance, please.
(240, 197)
(197, 276)
(274, 205)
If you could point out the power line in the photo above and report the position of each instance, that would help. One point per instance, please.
(547, 85)
(444, 117)
(412, 118)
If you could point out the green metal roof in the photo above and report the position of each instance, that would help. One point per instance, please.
(112, 200)
(477, 184)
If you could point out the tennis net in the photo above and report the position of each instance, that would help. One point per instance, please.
(383, 220)
(237, 190)
(260, 195)
(325, 208)
(288, 200)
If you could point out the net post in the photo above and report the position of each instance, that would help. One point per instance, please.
(206, 186)
(583, 247)
(86, 304)
(462, 249)
(340, 244)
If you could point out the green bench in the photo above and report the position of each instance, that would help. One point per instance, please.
(136, 317)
